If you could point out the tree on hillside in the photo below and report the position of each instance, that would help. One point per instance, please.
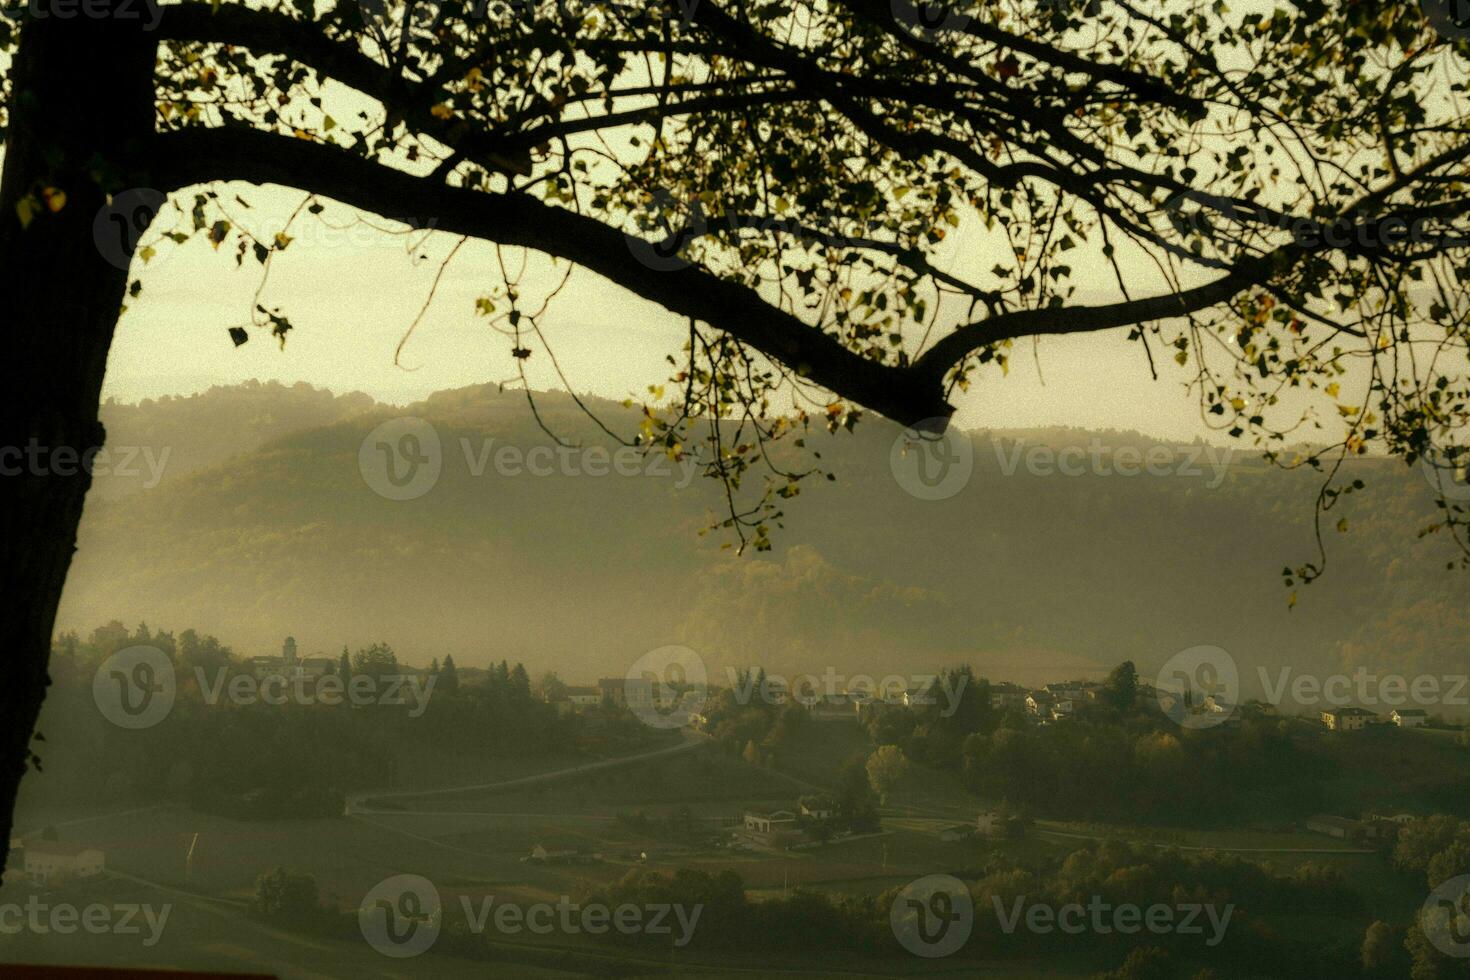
(1276, 197)
(344, 666)
(1121, 687)
(886, 767)
(378, 661)
(448, 676)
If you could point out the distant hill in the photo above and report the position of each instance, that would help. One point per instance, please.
(264, 525)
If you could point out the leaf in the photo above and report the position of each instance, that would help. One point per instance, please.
(238, 335)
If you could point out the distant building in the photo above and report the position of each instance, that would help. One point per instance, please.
(311, 668)
(266, 667)
(1409, 717)
(778, 828)
(817, 807)
(584, 697)
(49, 862)
(1340, 827)
(288, 652)
(758, 822)
(1039, 703)
(1347, 719)
(954, 832)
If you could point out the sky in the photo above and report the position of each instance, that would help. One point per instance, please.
(352, 292)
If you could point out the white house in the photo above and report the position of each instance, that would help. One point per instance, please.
(47, 861)
(1347, 719)
(584, 697)
(1409, 717)
(766, 823)
(817, 807)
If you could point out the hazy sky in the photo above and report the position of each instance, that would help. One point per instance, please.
(352, 295)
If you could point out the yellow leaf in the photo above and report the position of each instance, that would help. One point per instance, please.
(146, 252)
(1332, 389)
(442, 111)
(55, 198)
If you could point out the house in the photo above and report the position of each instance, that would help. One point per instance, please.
(48, 862)
(1062, 709)
(267, 667)
(776, 821)
(584, 697)
(610, 689)
(1409, 717)
(954, 832)
(1340, 827)
(918, 697)
(1347, 719)
(1039, 703)
(1004, 696)
(1064, 692)
(817, 808)
(310, 668)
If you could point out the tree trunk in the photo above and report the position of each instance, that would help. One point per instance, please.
(81, 113)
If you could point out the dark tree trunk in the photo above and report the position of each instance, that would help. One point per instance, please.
(81, 112)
